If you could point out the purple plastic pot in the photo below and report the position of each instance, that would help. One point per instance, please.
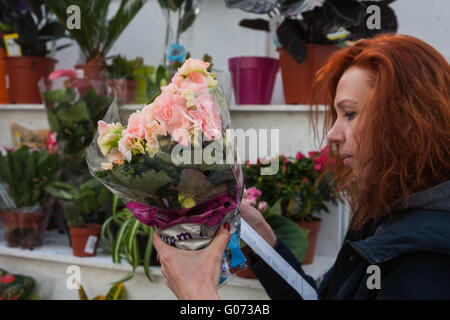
(253, 79)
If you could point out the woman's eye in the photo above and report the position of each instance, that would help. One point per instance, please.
(349, 115)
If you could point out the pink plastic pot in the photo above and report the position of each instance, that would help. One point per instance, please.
(253, 79)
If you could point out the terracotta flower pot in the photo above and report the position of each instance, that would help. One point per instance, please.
(24, 229)
(313, 227)
(246, 273)
(24, 74)
(3, 92)
(91, 71)
(80, 238)
(125, 90)
(298, 78)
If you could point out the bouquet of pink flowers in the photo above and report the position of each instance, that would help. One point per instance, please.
(170, 165)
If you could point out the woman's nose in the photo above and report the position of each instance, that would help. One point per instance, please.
(336, 133)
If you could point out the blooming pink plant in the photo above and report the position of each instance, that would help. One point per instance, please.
(185, 104)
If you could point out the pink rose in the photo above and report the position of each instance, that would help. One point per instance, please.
(299, 156)
(115, 156)
(182, 136)
(253, 192)
(129, 143)
(312, 154)
(136, 125)
(207, 116)
(167, 110)
(193, 65)
(318, 166)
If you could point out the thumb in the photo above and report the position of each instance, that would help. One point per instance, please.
(158, 243)
(221, 239)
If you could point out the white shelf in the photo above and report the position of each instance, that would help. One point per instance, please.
(272, 108)
(56, 249)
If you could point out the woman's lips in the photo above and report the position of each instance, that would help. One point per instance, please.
(347, 160)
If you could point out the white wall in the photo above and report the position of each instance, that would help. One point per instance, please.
(216, 32)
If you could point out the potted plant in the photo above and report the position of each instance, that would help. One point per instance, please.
(287, 231)
(84, 210)
(122, 77)
(126, 238)
(307, 32)
(25, 174)
(302, 186)
(17, 287)
(35, 27)
(99, 30)
(185, 11)
(3, 91)
(73, 118)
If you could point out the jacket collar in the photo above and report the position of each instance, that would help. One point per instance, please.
(413, 231)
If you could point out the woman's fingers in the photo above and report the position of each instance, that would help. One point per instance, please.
(220, 241)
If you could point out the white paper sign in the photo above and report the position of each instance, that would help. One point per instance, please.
(90, 245)
(274, 260)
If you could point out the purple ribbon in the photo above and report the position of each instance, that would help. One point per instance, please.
(208, 213)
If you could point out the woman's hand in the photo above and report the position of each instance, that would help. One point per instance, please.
(256, 220)
(193, 275)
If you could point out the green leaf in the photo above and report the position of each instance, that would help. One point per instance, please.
(118, 242)
(291, 234)
(106, 238)
(275, 209)
(195, 185)
(148, 253)
(75, 113)
(81, 293)
(117, 292)
(134, 228)
(58, 95)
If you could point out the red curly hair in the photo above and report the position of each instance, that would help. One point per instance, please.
(403, 134)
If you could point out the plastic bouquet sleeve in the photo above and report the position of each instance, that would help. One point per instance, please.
(175, 164)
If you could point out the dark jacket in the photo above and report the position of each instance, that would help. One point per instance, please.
(412, 252)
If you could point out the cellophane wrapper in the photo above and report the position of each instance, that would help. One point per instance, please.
(185, 190)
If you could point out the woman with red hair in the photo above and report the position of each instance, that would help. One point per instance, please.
(387, 126)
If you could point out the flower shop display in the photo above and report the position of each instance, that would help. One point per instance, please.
(284, 228)
(35, 27)
(303, 188)
(122, 77)
(307, 32)
(73, 109)
(152, 162)
(125, 237)
(25, 173)
(85, 210)
(17, 287)
(99, 29)
(116, 292)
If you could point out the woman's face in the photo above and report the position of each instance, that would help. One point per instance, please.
(351, 93)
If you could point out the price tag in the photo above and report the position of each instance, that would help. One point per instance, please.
(276, 262)
(12, 47)
(90, 244)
